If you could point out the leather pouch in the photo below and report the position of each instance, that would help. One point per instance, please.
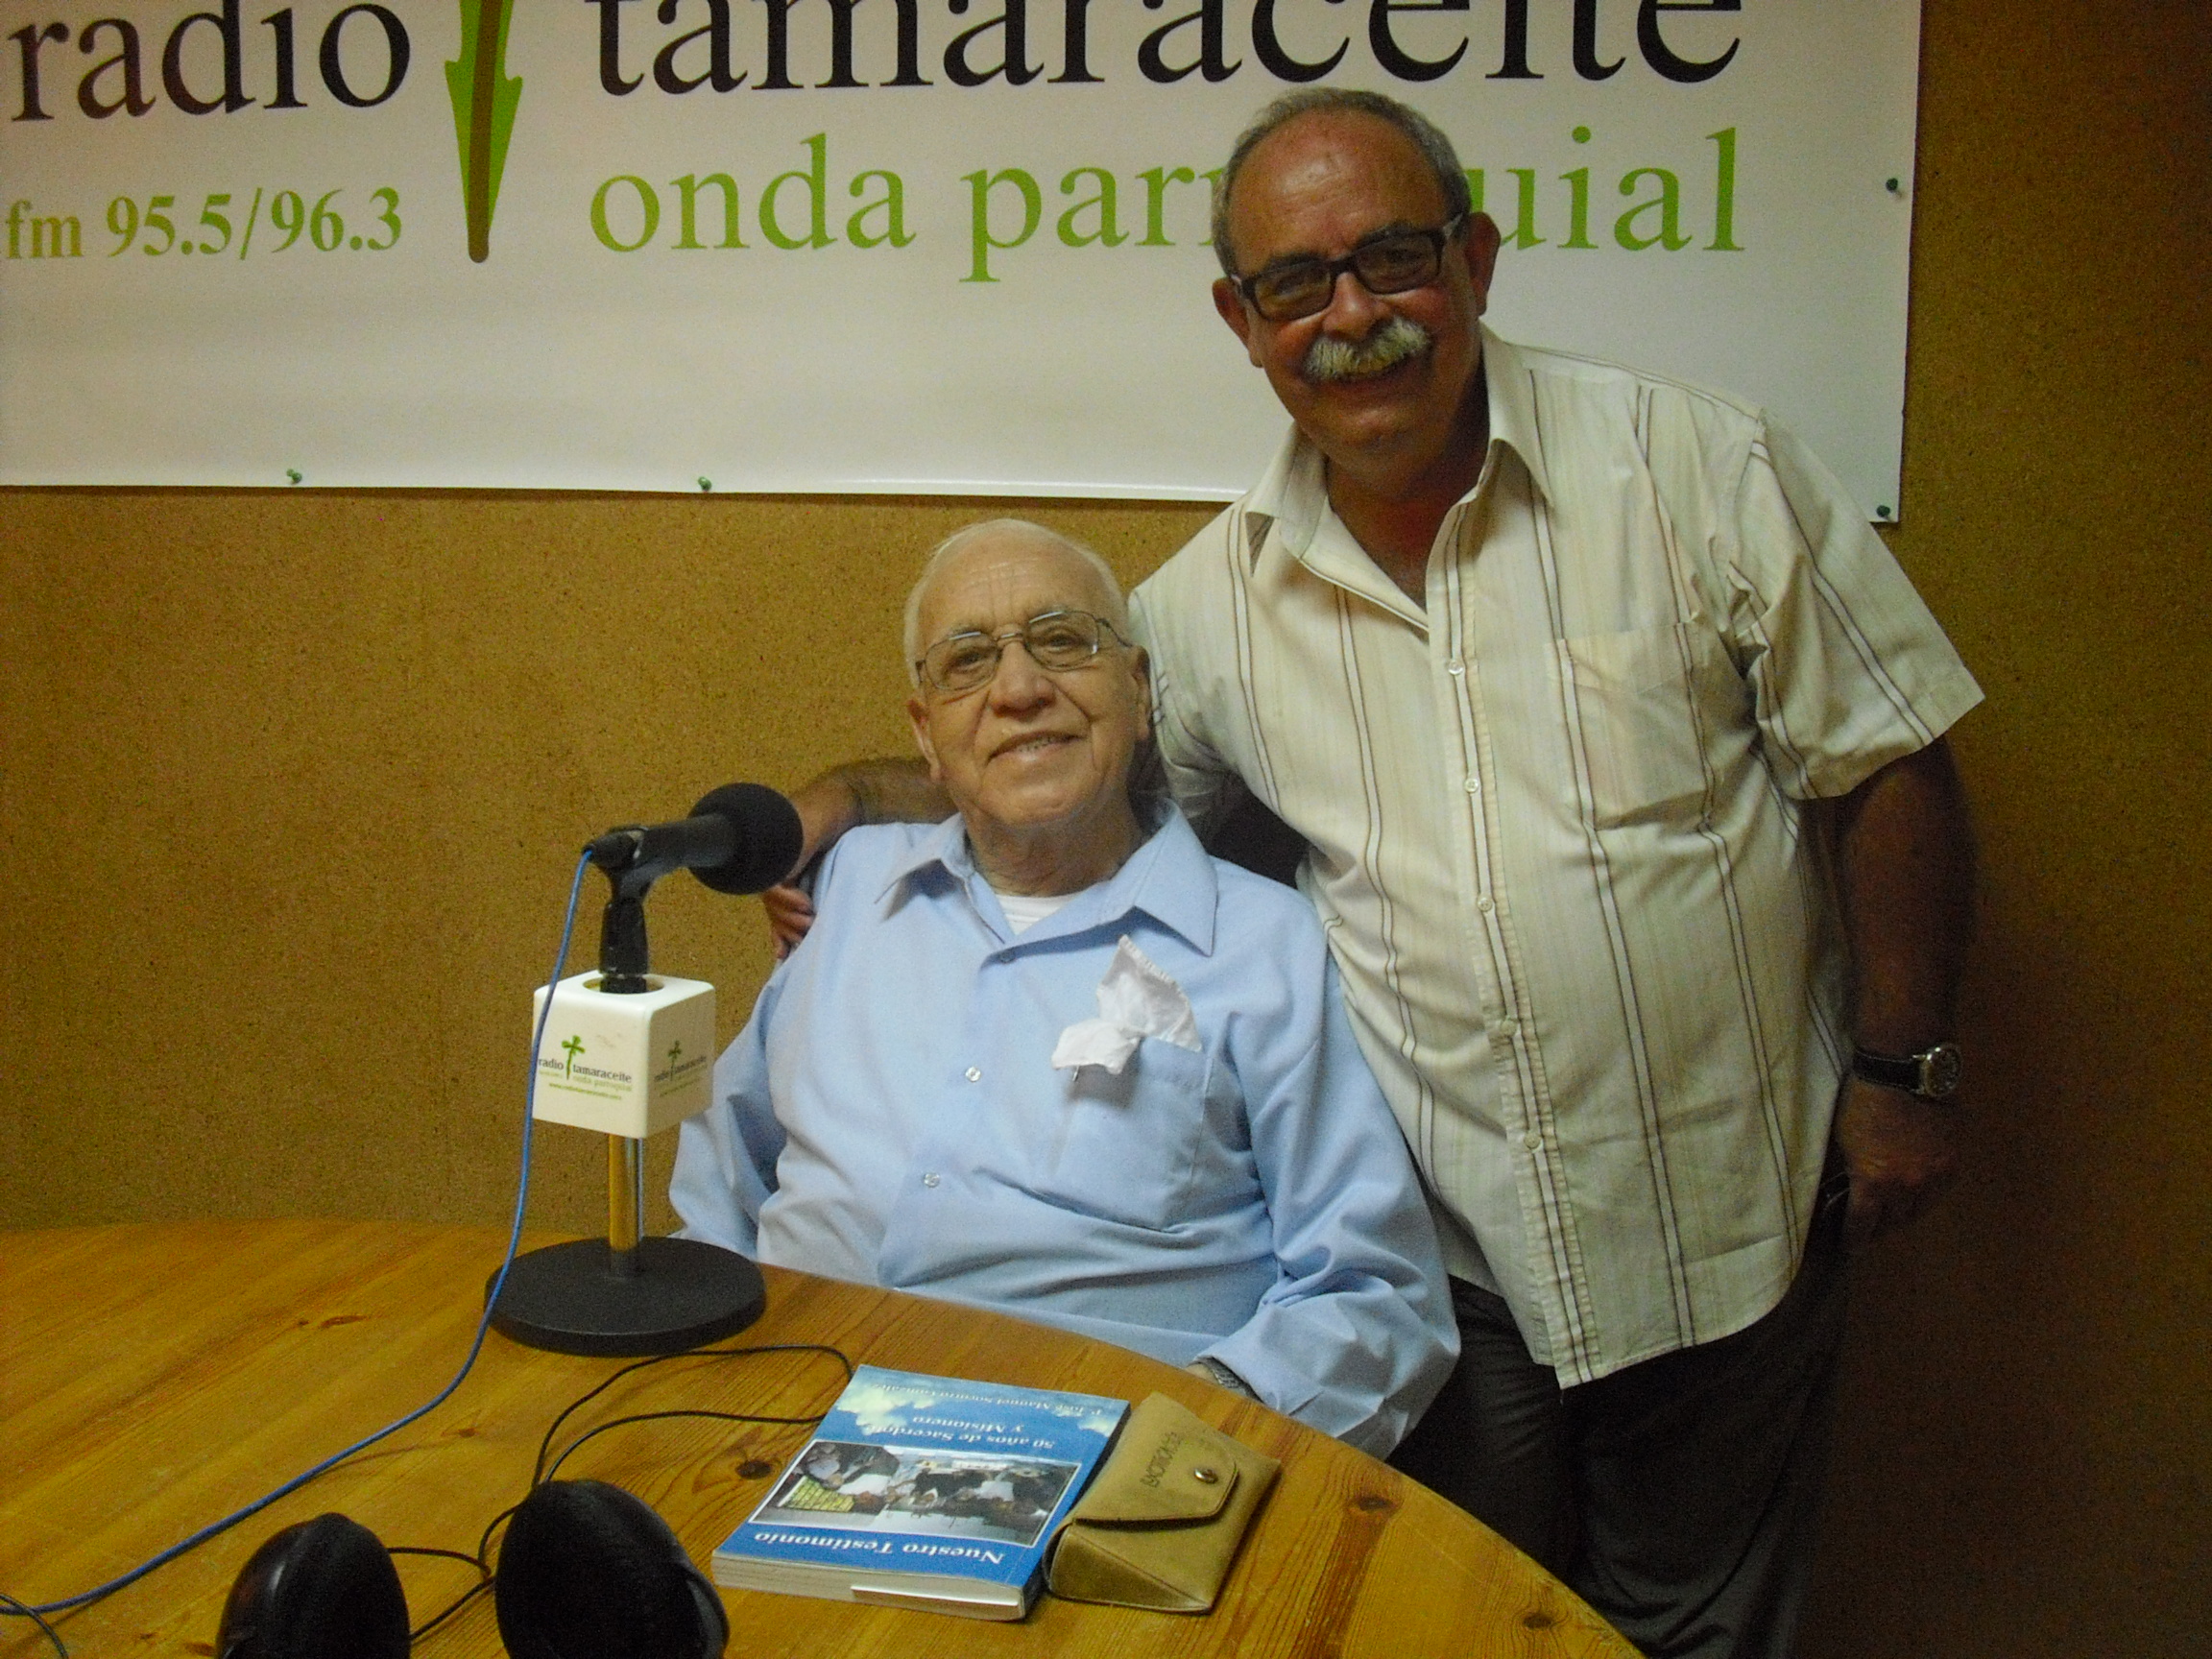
(1161, 1522)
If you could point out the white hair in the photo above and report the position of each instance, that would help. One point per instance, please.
(1115, 607)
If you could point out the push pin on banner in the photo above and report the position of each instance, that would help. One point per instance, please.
(705, 486)
(1896, 186)
(293, 473)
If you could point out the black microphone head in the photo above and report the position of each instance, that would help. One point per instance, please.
(769, 837)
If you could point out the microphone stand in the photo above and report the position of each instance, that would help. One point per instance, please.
(626, 1294)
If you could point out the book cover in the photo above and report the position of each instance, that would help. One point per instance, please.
(923, 1491)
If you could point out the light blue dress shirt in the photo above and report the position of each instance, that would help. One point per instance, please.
(890, 1115)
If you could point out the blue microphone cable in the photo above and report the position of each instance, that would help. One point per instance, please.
(11, 1608)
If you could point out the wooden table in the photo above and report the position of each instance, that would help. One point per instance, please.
(155, 1377)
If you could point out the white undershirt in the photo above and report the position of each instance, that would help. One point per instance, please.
(1023, 911)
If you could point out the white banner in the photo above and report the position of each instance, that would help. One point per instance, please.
(876, 245)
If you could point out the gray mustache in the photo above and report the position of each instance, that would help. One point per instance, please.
(1330, 359)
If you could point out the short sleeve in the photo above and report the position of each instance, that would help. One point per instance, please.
(1205, 786)
(1848, 668)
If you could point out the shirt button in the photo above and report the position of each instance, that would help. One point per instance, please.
(1505, 1028)
(1483, 904)
(1532, 1140)
(975, 1074)
(1454, 666)
(930, 1179)
(1474, 784)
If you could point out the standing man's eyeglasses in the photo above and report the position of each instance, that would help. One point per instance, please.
(1391, 262)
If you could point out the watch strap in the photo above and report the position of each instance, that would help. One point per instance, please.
(1931, 1074)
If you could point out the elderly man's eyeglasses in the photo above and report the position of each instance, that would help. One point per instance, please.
(1056, 642)
(1390, 263)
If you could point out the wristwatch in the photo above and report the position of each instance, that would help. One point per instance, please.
(1222, 1377)
(1933, 1074)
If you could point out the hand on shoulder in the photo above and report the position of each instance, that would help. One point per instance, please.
(842, 798)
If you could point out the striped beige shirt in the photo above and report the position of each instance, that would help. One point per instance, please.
(1555, 827)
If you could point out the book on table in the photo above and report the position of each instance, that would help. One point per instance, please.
(923, 1491)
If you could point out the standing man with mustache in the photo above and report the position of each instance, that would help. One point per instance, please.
(1615, 738)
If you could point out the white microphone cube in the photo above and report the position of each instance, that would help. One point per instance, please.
(624, 1064)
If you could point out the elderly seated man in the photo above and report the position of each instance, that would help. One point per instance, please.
(1050, 1057)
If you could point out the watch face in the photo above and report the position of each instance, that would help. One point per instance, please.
(1939, 1069)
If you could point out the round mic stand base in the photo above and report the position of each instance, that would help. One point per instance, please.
(626, 1294)
(679, 1293)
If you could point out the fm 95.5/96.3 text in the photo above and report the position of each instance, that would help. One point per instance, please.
(271, 223)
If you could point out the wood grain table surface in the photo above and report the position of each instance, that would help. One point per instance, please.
(156, 1376)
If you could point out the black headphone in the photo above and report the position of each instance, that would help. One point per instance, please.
(587, 1570)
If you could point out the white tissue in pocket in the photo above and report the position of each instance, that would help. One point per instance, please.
(1137, 999)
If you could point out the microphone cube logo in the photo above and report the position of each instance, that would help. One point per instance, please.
(629, 1065)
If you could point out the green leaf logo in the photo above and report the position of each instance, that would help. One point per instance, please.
(484, 100)
(573, 1048)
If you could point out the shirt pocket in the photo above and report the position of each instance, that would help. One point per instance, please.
(1649, 705)
(1125, 1149)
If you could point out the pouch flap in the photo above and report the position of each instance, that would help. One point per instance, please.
(1162, 1520)
(1169, 1466)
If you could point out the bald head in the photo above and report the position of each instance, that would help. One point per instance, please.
(1325, 104)
(1092, 585)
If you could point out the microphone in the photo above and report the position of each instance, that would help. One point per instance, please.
(739, 838)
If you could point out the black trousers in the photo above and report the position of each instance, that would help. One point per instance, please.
(1677, 1496)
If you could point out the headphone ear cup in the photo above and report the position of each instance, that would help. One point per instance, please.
(322, 1589)
(587, 1570)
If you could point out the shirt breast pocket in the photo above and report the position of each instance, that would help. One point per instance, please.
(1651, 707)
(1126, 1148)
